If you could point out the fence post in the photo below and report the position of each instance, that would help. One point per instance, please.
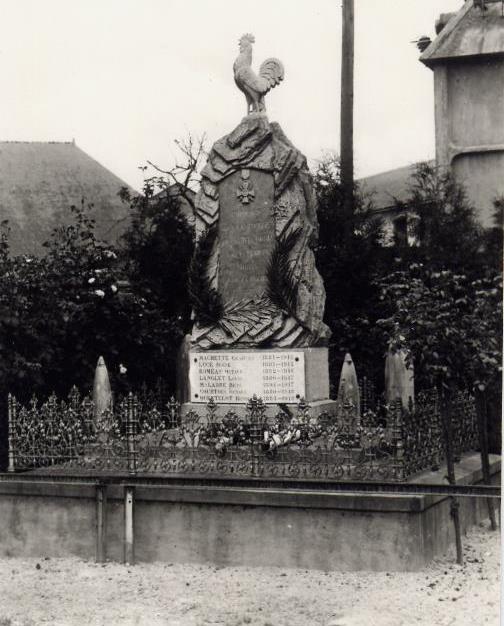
(101, 522)
(367, 395)
(445, 408)
(11, 409)
(398, 440)
(437, 430)
(173, 408)
(131, 431)
(481, 416)
(129, 536)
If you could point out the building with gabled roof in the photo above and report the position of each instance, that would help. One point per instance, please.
(40, 181)
(388, 190)
(467, 58)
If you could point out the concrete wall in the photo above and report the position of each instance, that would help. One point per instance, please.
(282, 537)
(483, 177)
(469, 111)
(354, 535)
(57, 523)
(235, 526)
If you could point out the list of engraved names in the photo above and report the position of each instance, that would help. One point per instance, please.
(234, 377)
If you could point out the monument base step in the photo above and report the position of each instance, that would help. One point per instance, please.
(211, 522)
(316, 408)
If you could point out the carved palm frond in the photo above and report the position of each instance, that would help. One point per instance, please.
(281, 286)
(205, 299)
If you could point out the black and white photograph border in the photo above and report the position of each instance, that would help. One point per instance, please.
(251, 312)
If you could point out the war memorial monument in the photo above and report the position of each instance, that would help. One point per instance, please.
(259, 465)
(258, 297)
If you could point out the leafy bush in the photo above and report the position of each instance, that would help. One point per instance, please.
(441, 296)
(86, 298)
(351, 258)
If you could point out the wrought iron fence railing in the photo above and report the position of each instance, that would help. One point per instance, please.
(137, 437)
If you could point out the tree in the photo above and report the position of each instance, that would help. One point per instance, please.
(449, 322)
(350, 257)
(451, 325)
(157, 249)
(443, 296)
(445, 227)
(86, 298)
(440, 299)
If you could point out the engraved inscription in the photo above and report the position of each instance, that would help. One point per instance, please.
(234, 377)
(246, 235)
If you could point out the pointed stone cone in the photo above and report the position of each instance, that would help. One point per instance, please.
(348, 385)
(102, 393)
(399, 379)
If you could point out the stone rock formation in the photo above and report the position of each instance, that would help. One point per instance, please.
(256, 210)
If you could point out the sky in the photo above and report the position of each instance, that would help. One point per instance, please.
(125, 78)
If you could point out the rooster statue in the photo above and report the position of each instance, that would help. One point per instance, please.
(271, 73)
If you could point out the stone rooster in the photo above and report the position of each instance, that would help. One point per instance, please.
(254, 86)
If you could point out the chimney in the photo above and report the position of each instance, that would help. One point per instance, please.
(442, 21)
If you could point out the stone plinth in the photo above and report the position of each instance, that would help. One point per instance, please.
(277, 376)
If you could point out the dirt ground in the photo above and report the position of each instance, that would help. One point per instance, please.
(65, 592)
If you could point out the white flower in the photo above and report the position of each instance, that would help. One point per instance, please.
(91, 280)
(113, 289)
(110, 255)
(98, 271)
(122, 369)
(99, 293)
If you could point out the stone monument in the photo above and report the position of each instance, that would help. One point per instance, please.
(258, 299)
(399, 378)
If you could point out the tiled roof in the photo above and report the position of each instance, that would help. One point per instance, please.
(469, 33)
(39, 181)
(386, 188)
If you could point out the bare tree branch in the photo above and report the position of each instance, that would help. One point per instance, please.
(184, 174)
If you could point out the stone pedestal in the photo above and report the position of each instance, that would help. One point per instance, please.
(280, 377)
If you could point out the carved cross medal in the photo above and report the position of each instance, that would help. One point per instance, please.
(245, 192)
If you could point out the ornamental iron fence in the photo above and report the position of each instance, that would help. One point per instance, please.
(391, 443)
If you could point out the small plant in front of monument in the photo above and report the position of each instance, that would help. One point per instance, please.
(301, 430)
(230, 431)
(280, 433)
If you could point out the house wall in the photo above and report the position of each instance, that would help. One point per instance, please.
(469, 111)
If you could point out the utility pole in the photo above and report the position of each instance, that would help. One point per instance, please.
(347, 96)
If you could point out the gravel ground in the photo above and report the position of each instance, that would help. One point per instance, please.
(65, 592)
